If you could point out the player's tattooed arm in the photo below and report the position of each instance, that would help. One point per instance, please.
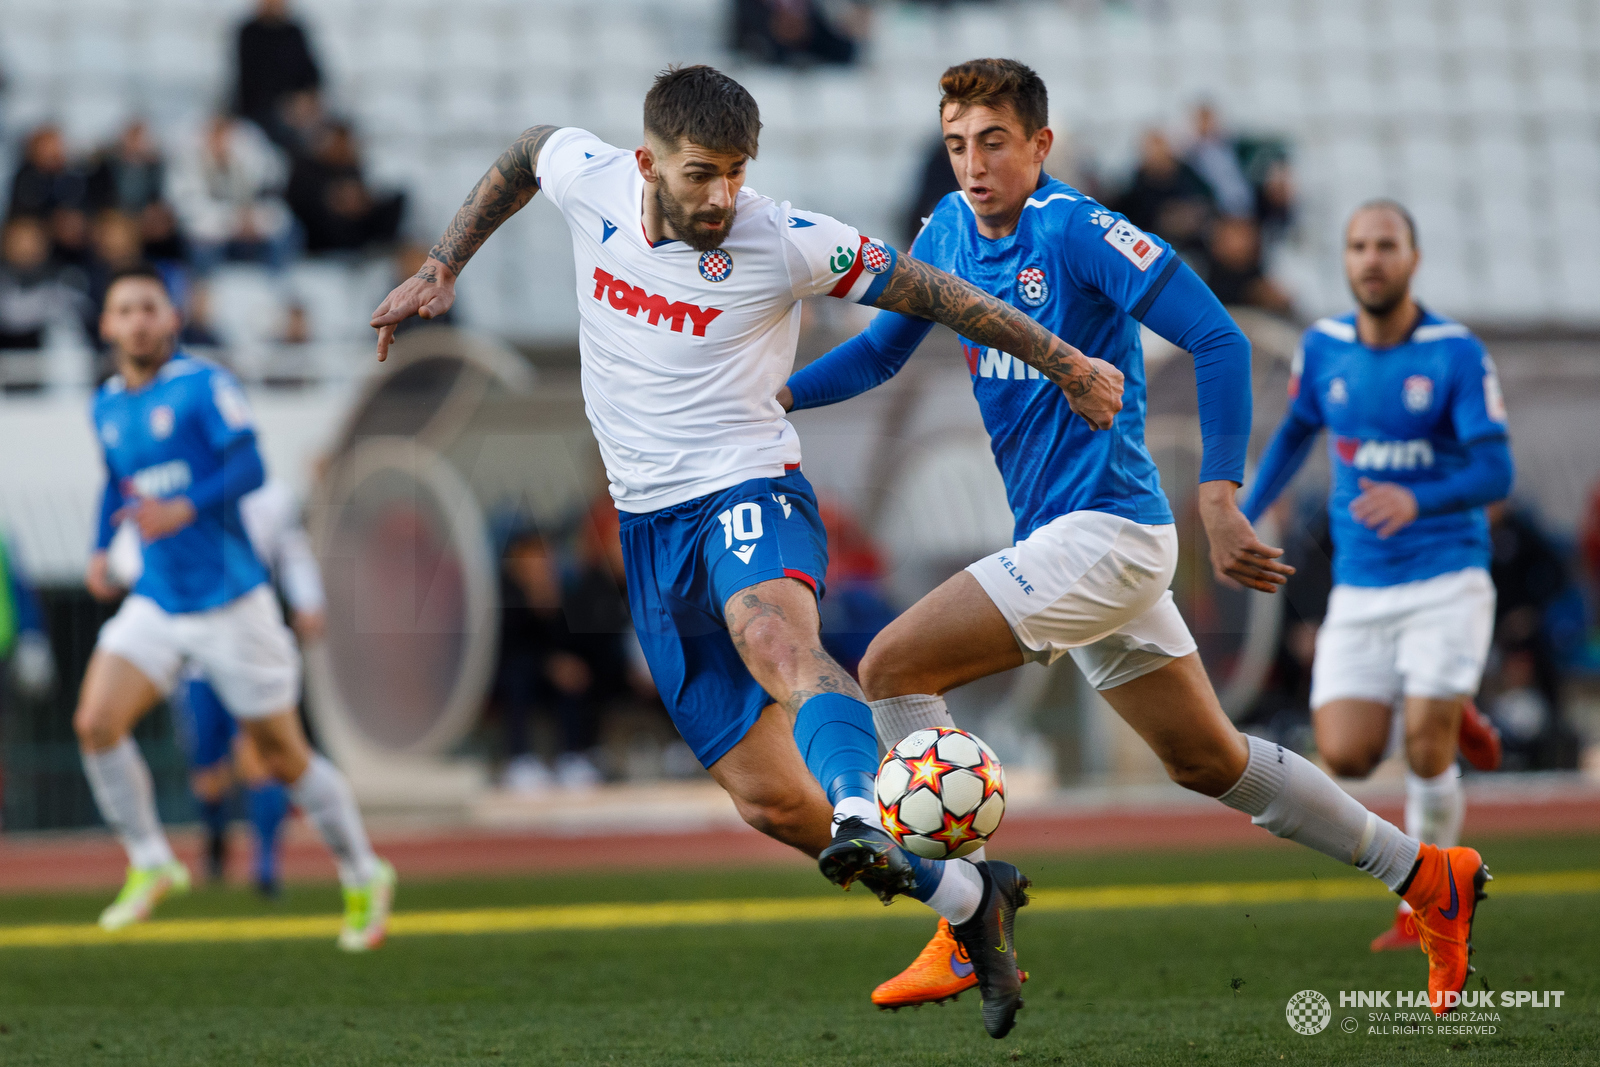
(1093, 386)
(499, 194)
(503, 191)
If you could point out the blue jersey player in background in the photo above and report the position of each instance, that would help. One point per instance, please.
(180, 451)
(1096, 547)
(1417, 444)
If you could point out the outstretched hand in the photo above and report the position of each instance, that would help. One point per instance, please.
(1096, 396)
(1238, 557)
(427, 294)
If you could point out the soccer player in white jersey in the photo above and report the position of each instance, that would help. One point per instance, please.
(1096, 547)
(688, 288)
(1417, 441)
(180, 451)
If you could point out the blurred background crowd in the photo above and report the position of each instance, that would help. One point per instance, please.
(282, 165)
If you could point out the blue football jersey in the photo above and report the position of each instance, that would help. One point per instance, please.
(1407, 415)
(158, 442)
(1086, 274)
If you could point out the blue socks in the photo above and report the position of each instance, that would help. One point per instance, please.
(267, 806)
(839, 744)
(214, 813)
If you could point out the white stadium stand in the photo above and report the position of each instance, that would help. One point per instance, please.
(1482, 114)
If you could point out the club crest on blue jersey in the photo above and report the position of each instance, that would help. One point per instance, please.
(715, 265)
(1102, 218)
(161, 420)
(874, 258)
(1338, 392)
(1032, 289)
(1418, 393)
(110, 434)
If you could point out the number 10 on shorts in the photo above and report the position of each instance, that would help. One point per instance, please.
(742, 522)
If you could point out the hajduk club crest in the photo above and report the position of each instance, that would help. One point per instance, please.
(1032, 289)
(715, 265)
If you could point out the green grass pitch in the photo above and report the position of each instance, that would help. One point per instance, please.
(1186, 985)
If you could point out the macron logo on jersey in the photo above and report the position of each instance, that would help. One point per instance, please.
(993, 363)
(161, 480)
(632, 299)
(1385, 455)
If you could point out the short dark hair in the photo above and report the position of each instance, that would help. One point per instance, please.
(997, 83)
(137, 270)
(703, 106)
(1384, 203)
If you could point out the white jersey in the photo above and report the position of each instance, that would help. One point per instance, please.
(684, 352)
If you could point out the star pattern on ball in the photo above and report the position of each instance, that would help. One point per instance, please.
(926, 771)
(993, 777)
(956, 831)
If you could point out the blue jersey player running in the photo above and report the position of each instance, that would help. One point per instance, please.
(689, 290)
(1417, 444)
(1095, 543)
(180, 451)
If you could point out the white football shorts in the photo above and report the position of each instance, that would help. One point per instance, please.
(243, 648)
(1422, 639)
(1094, 585)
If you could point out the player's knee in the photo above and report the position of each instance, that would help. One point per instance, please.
(786, 818)
(881, 673)
(94, 729)
(773, 641)
(1353, 762)
(1210, 777)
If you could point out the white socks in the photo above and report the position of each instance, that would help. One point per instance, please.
(959, 893)
(862, 808)
(120, 780)
(324, 796)
(897, 717)
(1288, 796)
(1435, 807)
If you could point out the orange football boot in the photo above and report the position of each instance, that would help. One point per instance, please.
(1402, 935)
(1478, 738)
(940, 972)
(1444, 895)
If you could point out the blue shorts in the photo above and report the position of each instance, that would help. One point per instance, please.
(683, 565)
(204, 726)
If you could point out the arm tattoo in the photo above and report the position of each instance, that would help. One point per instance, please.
(499, 194)
(926, 292)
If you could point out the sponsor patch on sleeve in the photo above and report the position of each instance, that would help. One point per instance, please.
(1493, 399)
(231, 404)
(1132, 242)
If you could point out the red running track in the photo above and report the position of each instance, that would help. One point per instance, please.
(44, 863)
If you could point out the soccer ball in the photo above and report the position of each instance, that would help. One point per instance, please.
(941, 793)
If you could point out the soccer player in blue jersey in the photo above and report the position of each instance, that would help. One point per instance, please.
(180, 451)
(1095, 543)
(1417, 442)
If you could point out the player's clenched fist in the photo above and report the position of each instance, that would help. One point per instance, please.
(1095, 393)
(427, 294)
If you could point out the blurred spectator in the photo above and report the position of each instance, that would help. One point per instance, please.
(1275, 198)
(1529, 575)
(1590, 543)
(129, 175)
(937, 181)
(224, 189)
(32, 297)
(1283, 709)
(1216, 160)
(1235, 272)
(274, 63)
(198, 330)
(163, 242)
(541, 669)
(47, 181)
(333, 203)
(296, 326)
(798, 32)
(116, 244)
(1167, 197)
(855, 608)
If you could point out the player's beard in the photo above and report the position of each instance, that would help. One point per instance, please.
(687, 225)
(1382, 302)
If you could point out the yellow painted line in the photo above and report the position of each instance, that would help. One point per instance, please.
(857, 906)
